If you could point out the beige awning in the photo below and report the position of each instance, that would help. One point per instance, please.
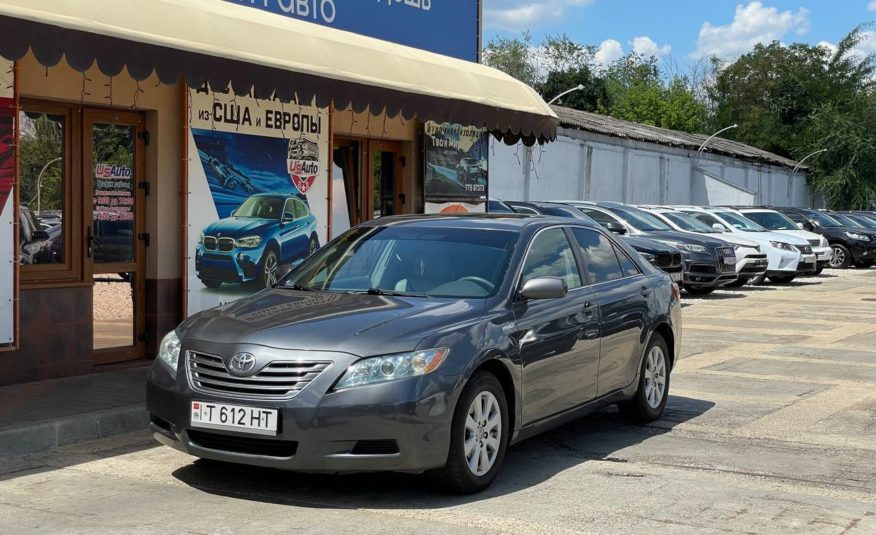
(252, 50)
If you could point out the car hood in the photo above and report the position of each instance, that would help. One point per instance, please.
(805, 234)
(328, 321)
(686, 237)
(237, 227)
(645, 245)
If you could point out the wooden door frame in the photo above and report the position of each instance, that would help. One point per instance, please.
(91, 116)
(367, 148)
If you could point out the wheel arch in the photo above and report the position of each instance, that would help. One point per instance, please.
(497, 365)
(668, 335)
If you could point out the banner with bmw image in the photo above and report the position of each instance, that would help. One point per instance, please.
(258, 184)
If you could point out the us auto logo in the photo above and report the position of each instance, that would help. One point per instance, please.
(242, 363)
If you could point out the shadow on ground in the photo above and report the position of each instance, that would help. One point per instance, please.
(597, 438)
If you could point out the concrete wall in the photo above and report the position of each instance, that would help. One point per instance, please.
(586, 166)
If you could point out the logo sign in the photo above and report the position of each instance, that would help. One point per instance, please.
(302, 161)
(103, 170)
(448, 27)
(242, 364)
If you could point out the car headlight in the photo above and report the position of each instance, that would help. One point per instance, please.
(168, 351)
(201, 239)
(856, 236)
(249, 242)
(391, 367)
(648, 256)
(784, 246)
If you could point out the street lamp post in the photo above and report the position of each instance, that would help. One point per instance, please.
(800, 163)
(39, 183)
(713, 136)
(527, 154)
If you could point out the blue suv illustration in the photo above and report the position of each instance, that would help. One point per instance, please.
(268, 230)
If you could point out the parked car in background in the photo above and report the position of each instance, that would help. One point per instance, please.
(470, 170)
(267, 231)
(781, 224)
(866, 219)
(660, 255)
(751, 261)
(422, 343)
(37, 246)
(851, 245)
(709, 263)
(787, 256)
(495, 206)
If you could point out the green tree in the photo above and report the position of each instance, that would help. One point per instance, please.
(590, 98)
(680, 109)
(41, 144)
(512, 56)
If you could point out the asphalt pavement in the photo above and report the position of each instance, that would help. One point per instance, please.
(771, 428)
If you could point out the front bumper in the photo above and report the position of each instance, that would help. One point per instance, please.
(700, 274)
(823, 256)
(861, 251)
(237, 265)
(752, 266)
(807, 265)
(327, 428)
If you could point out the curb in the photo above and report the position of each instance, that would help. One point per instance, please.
(42, 436)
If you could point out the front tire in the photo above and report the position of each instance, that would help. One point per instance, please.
(841, 258)
(650, 399)
(478, 437)
(270, 269)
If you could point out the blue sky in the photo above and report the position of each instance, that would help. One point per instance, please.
(683, 30)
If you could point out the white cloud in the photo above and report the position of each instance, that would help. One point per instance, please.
(752, 24)
(867, 46)
(871, 6)
(521, 15)
(645, 46)
(609, 51)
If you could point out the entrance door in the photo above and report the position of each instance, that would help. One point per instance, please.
(115, 244)
(386, 176)
(372, 174)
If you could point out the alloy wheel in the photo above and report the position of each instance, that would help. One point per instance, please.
(655, 377)
(838, 258)
(483, 433)
(271, 267)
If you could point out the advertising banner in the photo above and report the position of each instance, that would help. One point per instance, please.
(258, 184)
(457, 168)
(453, 25)
(7, 208)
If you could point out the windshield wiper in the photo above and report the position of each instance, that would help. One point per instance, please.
(391, 293)
(299, 287)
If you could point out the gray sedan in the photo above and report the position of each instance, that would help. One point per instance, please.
(422, 344)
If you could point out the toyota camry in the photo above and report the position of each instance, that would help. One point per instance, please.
(422, 344)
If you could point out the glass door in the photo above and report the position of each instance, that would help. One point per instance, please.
(115, 240)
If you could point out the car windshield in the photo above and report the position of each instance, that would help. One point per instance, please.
(261, 208)
(688, 223)
(823, 219)
(416, 261)
(640, 220)
(739, 222)
(865, 221)
(847, 221)
(772, 220)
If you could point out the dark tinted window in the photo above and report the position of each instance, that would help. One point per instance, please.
(599, 258)
(629, 267)
(600, 217)
(551, 256)
(771, 220)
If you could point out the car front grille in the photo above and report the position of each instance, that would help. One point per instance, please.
(668, 260)
(226, 245)
(210, 243)
(723, 254)
(245, 445)
(815, 243)
(805, 249)
(277, 380)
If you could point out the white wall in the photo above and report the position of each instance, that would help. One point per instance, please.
(581, 165)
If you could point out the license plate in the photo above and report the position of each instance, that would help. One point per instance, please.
(234, 417)
(676, 277)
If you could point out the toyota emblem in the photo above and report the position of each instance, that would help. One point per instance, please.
(242, 363)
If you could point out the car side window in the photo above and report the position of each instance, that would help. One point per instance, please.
(600, 260)
(600, 217)
(708, 219)
(300, 210)
(550, 255)
(629, 267)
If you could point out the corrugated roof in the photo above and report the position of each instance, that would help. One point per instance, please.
(610, 126)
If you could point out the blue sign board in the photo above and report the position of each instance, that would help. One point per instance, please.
(448, 27)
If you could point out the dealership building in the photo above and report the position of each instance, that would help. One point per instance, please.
(160, 158)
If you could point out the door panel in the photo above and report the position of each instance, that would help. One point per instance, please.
(114, 251)
(623, 308)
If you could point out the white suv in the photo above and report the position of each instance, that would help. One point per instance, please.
(780, 223)
(788, 256)
(751, 261)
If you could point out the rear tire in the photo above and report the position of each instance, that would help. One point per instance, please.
(738, 283)
(842, 258)
(782, 279)
(699, 290)
(650, 399)
(478, 437)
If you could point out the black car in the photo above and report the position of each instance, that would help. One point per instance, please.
(662, 256)
(852, 245)
(709, 263)
(422, 343)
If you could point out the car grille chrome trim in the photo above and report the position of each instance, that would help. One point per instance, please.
(279, 379)
(805, 249)
(226, 245)
(210, 243)
(815, 243)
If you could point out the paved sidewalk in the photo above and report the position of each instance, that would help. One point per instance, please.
(47, 414)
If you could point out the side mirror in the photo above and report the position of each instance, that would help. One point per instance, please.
(544, 288)
(801, 226)
(616, 227)
(719, 227)
(233, 213)
(287, 217)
